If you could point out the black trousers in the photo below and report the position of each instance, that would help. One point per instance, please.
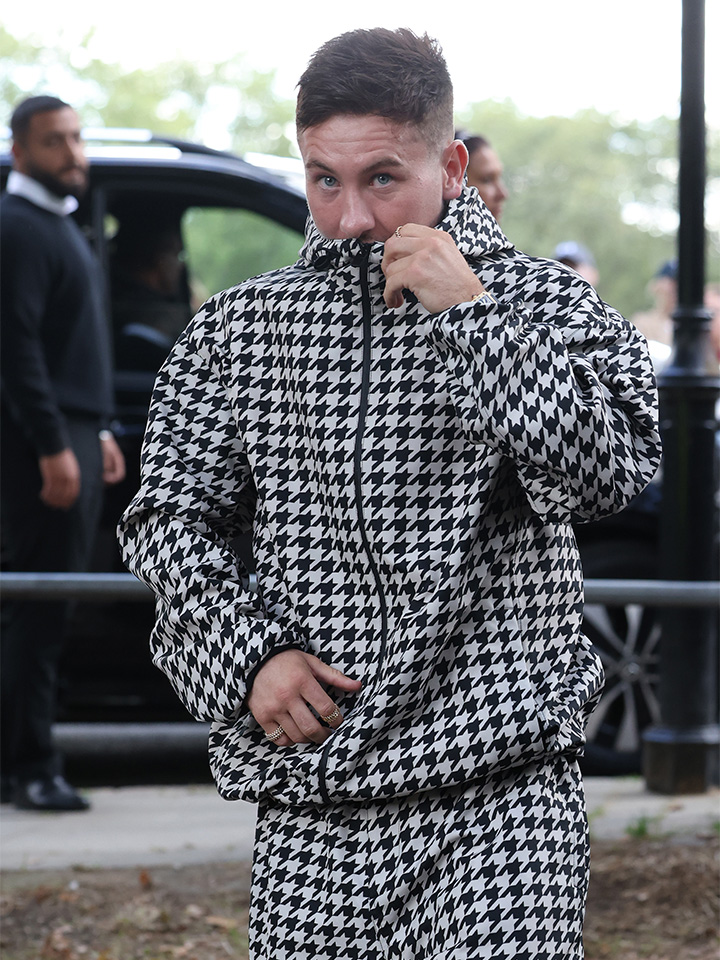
(37, 538)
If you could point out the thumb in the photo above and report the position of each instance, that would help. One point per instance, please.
(331, 676)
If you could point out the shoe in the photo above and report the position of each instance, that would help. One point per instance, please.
(48, 793)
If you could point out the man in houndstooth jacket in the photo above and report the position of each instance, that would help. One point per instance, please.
(409, 418)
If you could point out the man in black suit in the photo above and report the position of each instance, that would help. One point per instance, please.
(57, 451)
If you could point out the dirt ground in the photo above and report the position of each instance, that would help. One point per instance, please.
(649, 900)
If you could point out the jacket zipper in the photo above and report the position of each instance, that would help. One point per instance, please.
(357, 473)
(364, 394)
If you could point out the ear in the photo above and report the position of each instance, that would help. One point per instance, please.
(19, 154)
(454, 163)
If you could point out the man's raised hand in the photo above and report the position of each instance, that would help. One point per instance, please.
(428, 262)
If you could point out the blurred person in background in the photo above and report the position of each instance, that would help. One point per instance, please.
(485, 172)
(150, 293)
(656, 323)
(712, 302)
(57, 450)
(579, 258)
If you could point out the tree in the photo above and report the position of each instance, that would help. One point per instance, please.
(607, 184)
(181, 98)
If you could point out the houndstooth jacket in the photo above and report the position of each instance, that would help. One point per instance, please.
(410, 481)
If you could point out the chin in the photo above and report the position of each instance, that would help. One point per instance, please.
(75, 189)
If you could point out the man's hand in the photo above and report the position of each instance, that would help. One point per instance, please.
(61, 479)
(427, 262)
(113, 460)
(284, 690)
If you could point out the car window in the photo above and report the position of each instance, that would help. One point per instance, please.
(165, 259)
(225, 246)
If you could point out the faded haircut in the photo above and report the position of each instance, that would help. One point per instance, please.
(386, 73)
(25, 111)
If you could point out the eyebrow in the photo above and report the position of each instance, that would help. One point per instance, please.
(385, 163)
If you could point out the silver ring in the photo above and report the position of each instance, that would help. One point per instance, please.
(332, 716)
(275, 734)
(399, 236)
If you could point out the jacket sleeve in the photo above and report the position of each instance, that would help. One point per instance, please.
(565, 389)
(196, 495)
(27, 279)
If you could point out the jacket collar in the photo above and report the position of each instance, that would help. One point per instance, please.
(467, 220)
(23, 186)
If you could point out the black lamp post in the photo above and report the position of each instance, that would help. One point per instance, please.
(681, 752)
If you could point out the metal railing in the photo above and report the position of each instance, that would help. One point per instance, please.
(108, 587)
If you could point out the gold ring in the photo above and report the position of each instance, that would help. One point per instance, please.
(397, 232)
(276, 734)
(332, 716)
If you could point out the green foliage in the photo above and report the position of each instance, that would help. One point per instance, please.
(642, 827)
(175, 98)
(608, 185)
(225, 247)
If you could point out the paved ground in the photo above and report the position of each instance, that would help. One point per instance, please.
(175, 826)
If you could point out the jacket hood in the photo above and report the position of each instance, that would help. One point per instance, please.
(467, 220)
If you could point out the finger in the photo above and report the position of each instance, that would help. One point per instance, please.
(290, 733)
(400, 266)
(311, 730)
(275, 733)
(393, 296)
(333, 677)
(396, 250)
(409, 231)
(334, 718)
(325, 708)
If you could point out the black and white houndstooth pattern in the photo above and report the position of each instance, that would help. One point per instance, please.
(493, 871)
(410, 479)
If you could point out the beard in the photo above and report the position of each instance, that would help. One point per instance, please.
(57, 185)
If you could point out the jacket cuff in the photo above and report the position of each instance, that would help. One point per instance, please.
(48, 442)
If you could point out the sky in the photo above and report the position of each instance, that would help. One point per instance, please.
(548, 56)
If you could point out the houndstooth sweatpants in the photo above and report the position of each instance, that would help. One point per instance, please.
(497, 870)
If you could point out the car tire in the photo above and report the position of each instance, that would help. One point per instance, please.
(627, 638)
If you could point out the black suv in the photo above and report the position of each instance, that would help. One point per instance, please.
(200, 221)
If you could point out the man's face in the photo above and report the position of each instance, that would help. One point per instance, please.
(366, 176)
(52, 152)
(485, 172)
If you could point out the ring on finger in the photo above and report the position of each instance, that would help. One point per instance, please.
(397, 232)
(335, 715)
(275, 734)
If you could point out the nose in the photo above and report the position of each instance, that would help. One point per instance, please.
(356, 218)
(502, 190)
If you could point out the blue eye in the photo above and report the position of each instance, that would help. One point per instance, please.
(328, 181)
(383, 179)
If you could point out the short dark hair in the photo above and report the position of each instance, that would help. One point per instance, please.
(25, 111)
(472, 141)
(387, 73)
